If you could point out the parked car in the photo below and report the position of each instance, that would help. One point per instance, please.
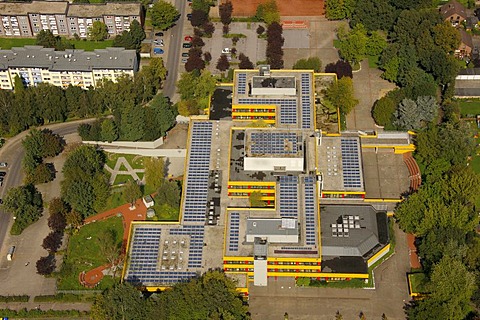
(1, 201)
(187, 45)
(3, 164)
(2, 174)
(189, 16)
(158, 51)
(159, 34)
(184, 60)
(188, 38)
(226, 50)
(185, 54)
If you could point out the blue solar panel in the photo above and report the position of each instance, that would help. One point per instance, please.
(234, 232)
(288, 196)
(306, 97)
(196, 186)
(273, 143)
(288, 107)
(352, 176)
(196, 234)
(310, 219)
(241, 83)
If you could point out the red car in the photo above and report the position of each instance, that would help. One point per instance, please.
(188, 38)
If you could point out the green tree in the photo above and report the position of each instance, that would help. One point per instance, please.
(187, 107)
(383, 110)
(109, 130)
(132, 192)
(164, 15)
(374, 14)
(376, 43)
(133, 123)
(196, 87)
(50, 101)
(131, 39)
(154, 172)
(25, 204)
(413, 115)
(352, 46)
(98, 31)
(122, 301)
(446, 37)
(340, 94)
(47, 39)
(110, 244)
(169, 193)
(268, 12)
(202, 5)
(312, 63)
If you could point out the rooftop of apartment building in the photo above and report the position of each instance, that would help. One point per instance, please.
(68, 60)
(99, 9)
(24, 8)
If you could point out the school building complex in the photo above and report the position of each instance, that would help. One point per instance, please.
(268, 195)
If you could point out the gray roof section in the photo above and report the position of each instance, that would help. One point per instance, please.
(100, 9)
(24, 8)
(469, 71)
(273, 82)
(260, 248)
(359, 241)
(68, 60)
(264, 227)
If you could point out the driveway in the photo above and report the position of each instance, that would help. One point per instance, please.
(389, 295)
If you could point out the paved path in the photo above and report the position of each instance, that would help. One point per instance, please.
(368, 87)
(46, 305)
(116, 171)
(388, 297)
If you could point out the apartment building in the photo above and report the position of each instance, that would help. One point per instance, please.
(20, 19)
(35, 64)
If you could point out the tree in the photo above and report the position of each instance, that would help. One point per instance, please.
(98, 31)
(25, 204)
(340, 95)
(446, 37)
(260, 29)
(169, 193)
(268, 12)
(202, 5)
(132, 126)
(132, 192)
(383, 110)
(110, 247)
(341, 68)
(340, 9)
(226, 10)
(352, 45)
(312, 63)
(47, 39)
(160, 117)
(245, 62)
(255, 199)
(199, 17)
(222, 63)
(374, 14)
(122, 301)
(412, 115)
(198, 88)
(164, 15)
(57, 222)
(376, 43)
(109, 130)
(208, 28)
(197, 42)
(131, 39)
(207, 56)
(154, 172)
(52, 241)
(194, 62)
(43, 173)
(74, 219)
(275, 40)
(46, 265)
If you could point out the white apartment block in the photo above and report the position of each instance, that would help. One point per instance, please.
(27, 19)
(35, 64)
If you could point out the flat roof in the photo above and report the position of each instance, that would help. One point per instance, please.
(107, 9)
(273, 143)
(24, 8)
(68, 60)
(352, 230)
(262, 227)
(273, 82)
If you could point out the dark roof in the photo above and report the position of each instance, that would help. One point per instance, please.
(466, 38)
(471, 22)
(467, 92)
(469, 71)
(344, 265)
(453, 7)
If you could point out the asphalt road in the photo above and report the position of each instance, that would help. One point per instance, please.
(176, 41)
(12, 153)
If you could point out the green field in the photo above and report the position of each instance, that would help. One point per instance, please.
(471, 108)
(84, 253)
(8, 43)
(135, 161)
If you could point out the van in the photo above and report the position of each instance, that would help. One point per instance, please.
(10, 253)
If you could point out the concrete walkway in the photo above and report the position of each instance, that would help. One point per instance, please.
(368, 87)
(130, 171)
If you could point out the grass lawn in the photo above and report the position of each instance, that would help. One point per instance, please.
(91, 45)
(135, 161)
(418, 282)
(8, 43)
(84, 253)
(116, 198)
(469, 107)
(373, 61)
(165, 213)
(122, 178)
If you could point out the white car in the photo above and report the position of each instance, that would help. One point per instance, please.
(226, 50)
(3, 164)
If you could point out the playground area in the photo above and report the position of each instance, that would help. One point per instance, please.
(247, 8)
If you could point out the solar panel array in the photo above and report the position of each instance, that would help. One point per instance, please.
(196, 185)
(309, 201)
(288, 107)
(352, 176)
(241, 83)
(273, 143)
(195, 252)
(288, 196)
(306, 91)
(144, 259)
(234, 231)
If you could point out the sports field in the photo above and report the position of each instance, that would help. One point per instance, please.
(288, 8)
